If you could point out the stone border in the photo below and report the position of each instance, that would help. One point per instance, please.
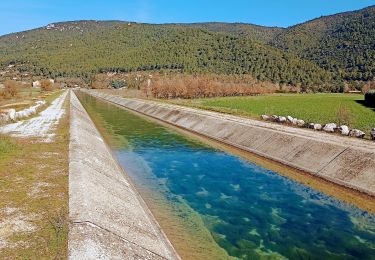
(108, 218)
(344, 161)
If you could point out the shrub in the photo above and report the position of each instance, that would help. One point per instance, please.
(188, 86)
(116, 84)
(11, 89)
(100, 82)
(370, 85)
(370, 98)
(46, 85)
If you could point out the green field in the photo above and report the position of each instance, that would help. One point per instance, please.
(317, 108)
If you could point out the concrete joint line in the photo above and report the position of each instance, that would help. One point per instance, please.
(86, 222)
(318, 172)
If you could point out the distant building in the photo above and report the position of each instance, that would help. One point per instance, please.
(36, 84)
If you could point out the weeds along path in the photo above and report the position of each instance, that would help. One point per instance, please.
(41, 125)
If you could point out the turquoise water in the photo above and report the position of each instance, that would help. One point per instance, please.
(251, 212)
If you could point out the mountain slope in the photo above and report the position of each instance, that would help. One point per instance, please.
(343, 43)
(255, 32)
(86, 47)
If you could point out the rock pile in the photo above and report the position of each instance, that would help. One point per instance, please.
(329, 128)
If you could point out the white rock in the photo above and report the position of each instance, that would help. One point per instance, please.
(330, 128)
(290, 119)
(317, 127)
(274, 117)
(356, 133)
(344, 130)
(265, 117)
(281, 119)
(12, 114)
(300, 122)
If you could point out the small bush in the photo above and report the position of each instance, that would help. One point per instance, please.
(11, 89)
(46, 85)
(116, 84)
(370, 98)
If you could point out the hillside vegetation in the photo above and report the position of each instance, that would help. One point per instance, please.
(255, 32)
(343, 43)
(319, 55)
(83, 48)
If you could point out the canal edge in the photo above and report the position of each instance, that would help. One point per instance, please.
(108, 217)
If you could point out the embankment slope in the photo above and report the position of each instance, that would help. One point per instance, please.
(108, 219)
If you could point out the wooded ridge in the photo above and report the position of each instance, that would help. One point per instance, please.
(320, 54)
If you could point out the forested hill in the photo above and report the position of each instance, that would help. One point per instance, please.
(320, 54)
(342, 43)
(255, 32)
(86, 47)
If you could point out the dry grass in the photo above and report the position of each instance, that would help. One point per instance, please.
(34, 196)
(23, 99)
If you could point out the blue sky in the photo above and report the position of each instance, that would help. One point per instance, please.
(19, 15)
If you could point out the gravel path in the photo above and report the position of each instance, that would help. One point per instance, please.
(41, 125)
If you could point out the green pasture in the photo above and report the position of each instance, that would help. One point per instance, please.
(317, 108)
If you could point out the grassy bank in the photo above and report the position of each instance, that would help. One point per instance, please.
(34, 196)
(318, 108)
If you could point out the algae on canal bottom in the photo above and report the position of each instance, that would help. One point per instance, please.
(249, 211)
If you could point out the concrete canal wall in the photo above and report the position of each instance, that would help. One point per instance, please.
(108, 219)
(345, 161)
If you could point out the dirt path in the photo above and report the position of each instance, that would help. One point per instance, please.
(41, 125)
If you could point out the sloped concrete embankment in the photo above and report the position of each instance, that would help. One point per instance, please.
(108, 219)
(345, 161)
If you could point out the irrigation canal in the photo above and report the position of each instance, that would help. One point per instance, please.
(212, 204)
